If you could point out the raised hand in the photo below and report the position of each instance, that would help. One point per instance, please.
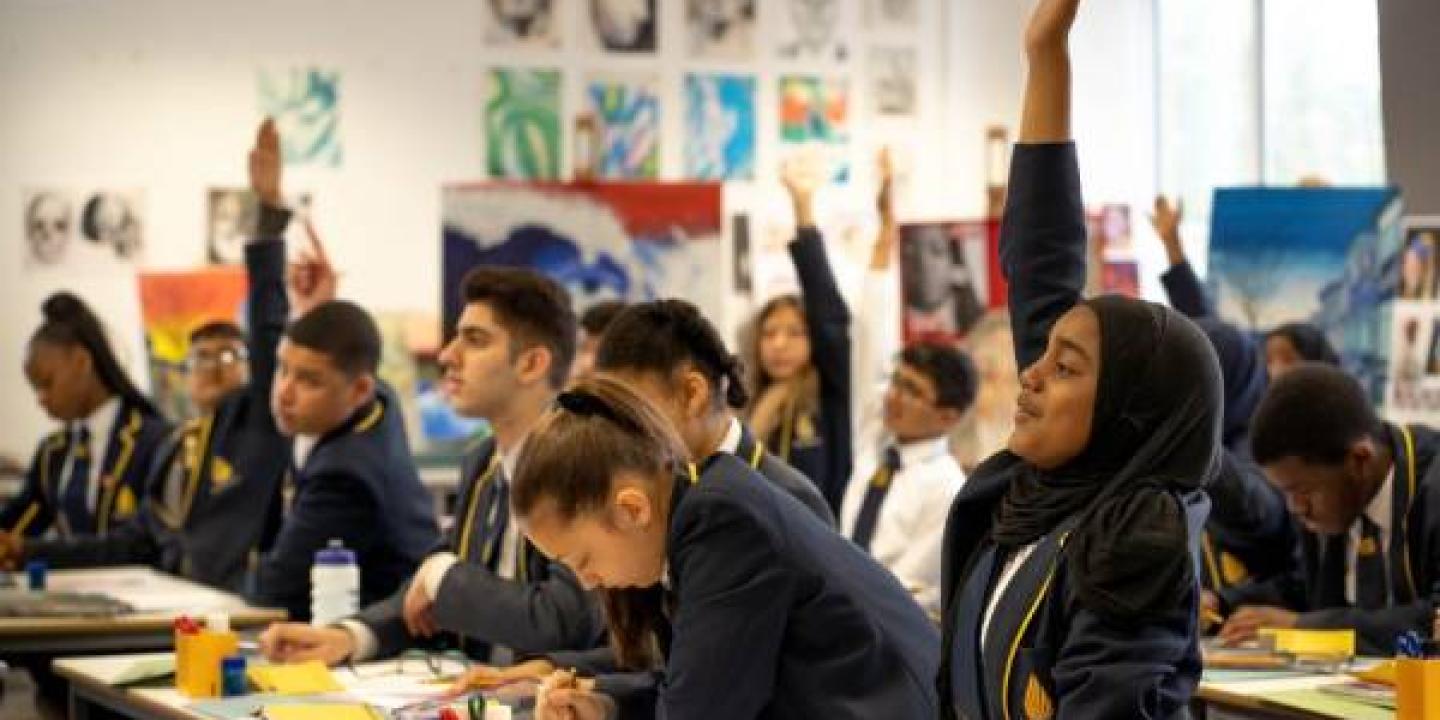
(1050, 24)
(1166, 220)
(311, 278)
(1045, 117)
(265, 164)
(885, 205)
(801, 177)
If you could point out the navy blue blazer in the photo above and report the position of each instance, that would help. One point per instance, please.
(359, 485)
(544, 608)
(819, 445)
(777, 615)
(129, 452)
(1044, 653)
(1317, 588)
(231, 463)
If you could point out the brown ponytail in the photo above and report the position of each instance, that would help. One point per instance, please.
(600, 427)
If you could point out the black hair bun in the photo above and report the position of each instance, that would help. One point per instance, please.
(64, 307)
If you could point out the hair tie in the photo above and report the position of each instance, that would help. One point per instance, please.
(584, 404)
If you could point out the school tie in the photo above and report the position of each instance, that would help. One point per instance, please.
(874, 497)
(75, 502)
(1370, 583)
(497, 515)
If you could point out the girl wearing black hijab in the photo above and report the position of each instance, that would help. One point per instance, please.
(1294, 343)
(1069, 575)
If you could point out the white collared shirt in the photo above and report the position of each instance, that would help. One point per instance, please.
(1378, 511)
(301, 449)
(731, 442)
(101, 423)
(910, 529)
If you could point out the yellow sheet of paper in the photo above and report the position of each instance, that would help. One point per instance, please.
(299, 679)
(319, 712)
(1312, 642)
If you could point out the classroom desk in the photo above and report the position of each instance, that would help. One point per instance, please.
(157, 597)
(92, 696)
(1269, 696)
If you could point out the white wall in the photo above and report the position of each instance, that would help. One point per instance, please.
(160, 95)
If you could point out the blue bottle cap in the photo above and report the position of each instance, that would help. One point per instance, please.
(334, 554)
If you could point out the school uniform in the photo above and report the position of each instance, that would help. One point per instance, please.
(1250, 536)
(895, 509)
(492, 589)
(210, 495)
(818, 444)
(357, 484)
(1378, 576)
(1030, 629)
(88, 478)
(773, 614)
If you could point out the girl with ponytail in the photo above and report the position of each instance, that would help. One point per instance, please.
(752, 606)
(87, 477)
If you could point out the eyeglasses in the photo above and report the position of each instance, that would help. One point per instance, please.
(909, 388)
(214, 360)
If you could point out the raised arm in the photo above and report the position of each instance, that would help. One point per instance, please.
(265, 265)
(1042, 235)
(1181, 284)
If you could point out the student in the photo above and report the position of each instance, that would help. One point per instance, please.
(801, 408)
(88, 478)
(1368, 495)
(896, 504)
(1068, 588)
(767, 611)
(672, 356)
(1249, 537)
(208, 499)
(1292, 344)
(352, 477)
(592, 326)
(485, 583)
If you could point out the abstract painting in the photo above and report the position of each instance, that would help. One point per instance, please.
(812, 30)
(623, 26)
(721, 29)
(892, 80)
(305, 103)
(522, 123)
(532, 23)
(720, 127)
(1328, 256)
(172, 304)
(629, 241)
(815, 111)
(627, 115)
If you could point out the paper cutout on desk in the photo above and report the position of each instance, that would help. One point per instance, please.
(1382, 673)
(1310, 642)
(295, 679)
(320, 711)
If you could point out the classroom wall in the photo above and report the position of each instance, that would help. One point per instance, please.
(160, 95)
(1410, 91)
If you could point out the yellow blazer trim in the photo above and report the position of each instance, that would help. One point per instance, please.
(1020, 633)
(1207, 548)
(192, 484)
(787, 431)
(1410, 504)
(117, 472)
(57, 441)
(694, 474)
(757, 455)
(468, 523)
(370, 420)
(27, 518)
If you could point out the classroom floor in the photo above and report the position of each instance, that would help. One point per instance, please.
(19, 700)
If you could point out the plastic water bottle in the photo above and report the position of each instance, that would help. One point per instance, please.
(334, 584)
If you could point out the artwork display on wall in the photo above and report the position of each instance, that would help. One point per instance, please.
(532, 24)
(622, 26)
(1414, 393)
(812, 31)
(893, 15)
(522, 123)
(719, 127)
(1326, 256)
(943, 277)
(892, 80)
(64, 228)
(49, 226)
(815, 111)
(231, 214)
(172, 305)
(305, 103)
(631, 241)
(720, 29)
(627, 112)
